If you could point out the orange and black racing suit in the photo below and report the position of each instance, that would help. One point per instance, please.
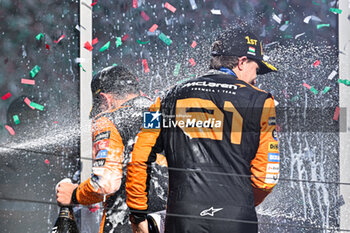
(219, 137)
(113, 134)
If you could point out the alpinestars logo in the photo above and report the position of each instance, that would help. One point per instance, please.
(211, 211)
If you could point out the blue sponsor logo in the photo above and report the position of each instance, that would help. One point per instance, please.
(274, 157)
(101, 154)
(151, 120)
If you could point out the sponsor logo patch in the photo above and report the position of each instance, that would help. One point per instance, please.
(273, 147)
(272, 121)
(101, 145)
(271, 178)
(273, 157)
(151, 120)
(102, 154)
(274, 134)
(99, 163)
(273, 168)
(211, 211)
(103, 135)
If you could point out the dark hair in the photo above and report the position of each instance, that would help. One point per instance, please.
(216, 62)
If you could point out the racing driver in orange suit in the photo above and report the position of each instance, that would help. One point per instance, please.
(218, 133)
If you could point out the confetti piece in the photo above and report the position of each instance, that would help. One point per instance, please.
(335, 10)
(315, 3)
(105, 47)
(316, 63)
(177, 69)
(79, 60)
(88, 46)
(27, 101)
(94, 208)
(215, 12)
(94, 3)
(295, 98)
(11, 131)
(55, 122)
(307, 86)
(325, 90)
(336, 113)
(193, 63)
(311, 17)
(194, 44)
(344, 81)
(59, 39)
(193, 4)
(47, 46)
(124, 38)
(37, 106)
(284, 27)
(28, 81)
(170, 7)
(16, 119)
(6, 96)
(134, 3)
(153, 28)
(47, 161)
(39, 36)
(94, 41)
(276, 18)
(118, 42)
(34, 71)
(313, 90)
(299, 35)
(141, 42)
(77, 27)
(285, 93)
(165, 39)
(276, 102)
(145, 65)
(322, 25)
(82, 67)
(144, 16)
(332, 75)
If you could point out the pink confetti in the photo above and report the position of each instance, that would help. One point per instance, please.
(144, 16)
(94, 208)
(55, 122)
(28, 81)
(47, 46)
(27, 101)
(6, 96)
(193, 63)
(194, 44)
(94, 41)
(134, 3)
(307, 86)
(94, 3)
(316, 63)
(170, 7)
(145, 65)
(59, 39)
(336, 113)
(88, 46)
(153, 28)
(124, 38)
(11, 131)
(285, 93)
(47, 161)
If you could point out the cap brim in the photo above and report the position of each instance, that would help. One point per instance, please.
(265, 67)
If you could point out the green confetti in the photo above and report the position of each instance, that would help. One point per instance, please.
(118, 42)
(37, 106)
(287, 22)
(322, 25)
(288, 36)
(313, 90)
(295, 98)
(183, 80)
(141, 42)
(165, 39)
(39, 36)
(177, 69)
(316, 3)
(16, 119)
(335, 10)
(82, 67)
(344, 81)
(105, 47)
(34, 71)
(325, 90)
(114, 64)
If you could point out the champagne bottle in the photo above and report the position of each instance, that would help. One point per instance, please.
(65, 222)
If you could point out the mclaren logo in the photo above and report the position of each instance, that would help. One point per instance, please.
(212, 84)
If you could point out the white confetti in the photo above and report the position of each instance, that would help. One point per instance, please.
(79, 60)
(299, 35)
(276, 18)
(284, 27)
(312, 17)
(276, 102)
(193, 4)
(332, 75)
(215, 12)
(77, 27)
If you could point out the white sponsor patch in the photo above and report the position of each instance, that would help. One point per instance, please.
(271, 178)
(273, 168)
